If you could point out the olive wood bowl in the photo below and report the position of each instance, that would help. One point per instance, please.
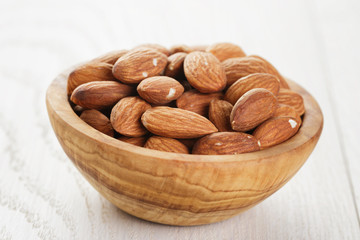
(179, 189)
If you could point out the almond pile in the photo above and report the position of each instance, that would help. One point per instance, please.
(201, 100)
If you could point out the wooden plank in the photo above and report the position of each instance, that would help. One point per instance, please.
(337, 43)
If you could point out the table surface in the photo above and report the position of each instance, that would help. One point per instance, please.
(316, 43)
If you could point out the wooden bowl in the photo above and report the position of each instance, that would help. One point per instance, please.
(179, 189)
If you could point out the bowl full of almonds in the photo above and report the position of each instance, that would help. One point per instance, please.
(183, 136)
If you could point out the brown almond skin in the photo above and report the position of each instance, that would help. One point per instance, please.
(125, 116)
(272, 70)
(226, 143)
(201, 48)
(253, 108)
(110, 57)
(219, 114)
(137, 141)
(180, 48)
(275, 131)
(95, 71)
(287, 111)
(291, 98)
(156, 47)
(166, 145)
(160, 90)
(176, 123)
(175, 67)
(138, 64)
(225, 51)
(204, 72)
(236, 68)
(255, 80)
(197, 102)
(98, 121)
(100, 94)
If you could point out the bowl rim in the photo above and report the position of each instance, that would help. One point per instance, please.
(57, 102)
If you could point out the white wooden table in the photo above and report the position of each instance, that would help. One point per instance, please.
(316, 43)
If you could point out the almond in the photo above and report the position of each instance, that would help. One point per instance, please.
(255, 80)
(93, 71)
(160, 90)
(156, 47)
(293, 99)
(201, 48)
(275, 131)
(226, 143)
(110, 57)
(287, 111)
(180, 48)
(225, 51)
(197, 102)
(166, 145)
(253, 108)
(176, 123)
(272, 70)
(236, 68)
(98, 121)
(175, 65)
(137, 141)
(204, 72)
(125, 116)
(219, 114)
(138, 64)
(100, 94)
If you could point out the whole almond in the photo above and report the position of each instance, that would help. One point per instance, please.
(225, 51)
(166, 145)
(272, 70)
(275, 131)
(226, 143)
(201, 48)
(291, 98)
(110, 57)
(138, 64)
(137, 141)
(176, 123)
(219, 114)
(236, 68)
(204, 72)
(156, 47)
(125, 116)
(98, 121)
(160, 90)
(180, 48)
(100, 94)
(287, 111)
(197, 102)
(253, 108)
(255, 80)
(93, 71)
(175, 65)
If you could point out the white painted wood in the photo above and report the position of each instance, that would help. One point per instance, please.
(42, 196)
(338, 37)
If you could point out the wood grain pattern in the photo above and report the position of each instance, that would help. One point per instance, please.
(178, 189)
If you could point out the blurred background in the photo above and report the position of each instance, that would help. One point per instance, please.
(315, 43)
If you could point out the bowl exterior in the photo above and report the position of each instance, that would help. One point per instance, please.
(178, 189)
